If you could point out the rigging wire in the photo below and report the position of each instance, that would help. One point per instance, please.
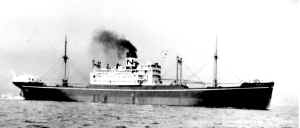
(51, 68)
(76, 71)
(196, 73)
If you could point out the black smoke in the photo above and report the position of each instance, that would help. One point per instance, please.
(131, 49)
(111, 42)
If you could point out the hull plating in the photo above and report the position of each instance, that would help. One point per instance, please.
(239, 97)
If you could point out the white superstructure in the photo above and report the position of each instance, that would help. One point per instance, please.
(129, 74)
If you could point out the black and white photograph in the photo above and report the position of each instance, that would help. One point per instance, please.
(149, 63)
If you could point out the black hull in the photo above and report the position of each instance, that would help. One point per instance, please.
(238, 97)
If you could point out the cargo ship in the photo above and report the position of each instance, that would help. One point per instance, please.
(133, 83)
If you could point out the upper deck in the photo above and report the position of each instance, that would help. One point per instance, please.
(130, 73)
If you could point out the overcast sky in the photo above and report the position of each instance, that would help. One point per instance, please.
(257, 39)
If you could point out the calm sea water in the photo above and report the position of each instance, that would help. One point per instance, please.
(50, 114)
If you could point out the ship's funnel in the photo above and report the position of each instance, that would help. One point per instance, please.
(131, 63)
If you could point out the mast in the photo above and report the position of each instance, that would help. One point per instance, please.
(65, 58)
(177, 58)
(178, 70)
(215, 80)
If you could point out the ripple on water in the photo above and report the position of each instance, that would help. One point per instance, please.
(49, 114)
